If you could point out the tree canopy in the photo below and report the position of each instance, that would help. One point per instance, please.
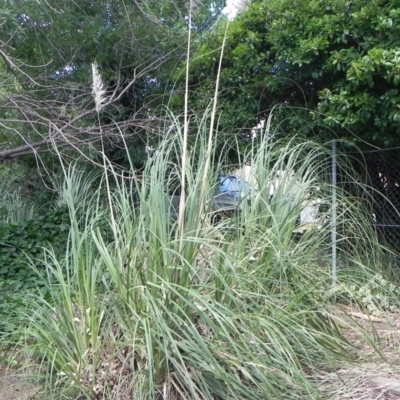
(327, 67)
(334, 63)
(47, 49)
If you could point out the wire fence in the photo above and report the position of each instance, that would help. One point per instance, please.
(380, 170)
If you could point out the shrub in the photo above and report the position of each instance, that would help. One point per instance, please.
(187, 309)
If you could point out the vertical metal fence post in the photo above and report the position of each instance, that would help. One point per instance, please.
(333, 217)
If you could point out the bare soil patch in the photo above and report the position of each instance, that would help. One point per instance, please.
(18, 383)
(14, 386)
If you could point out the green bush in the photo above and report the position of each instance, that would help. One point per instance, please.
(21, 258)
(186, 309)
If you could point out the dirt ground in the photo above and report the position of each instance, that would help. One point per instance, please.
(374, 377)
(17, 388)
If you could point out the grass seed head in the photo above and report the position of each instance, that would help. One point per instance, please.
(98, 90)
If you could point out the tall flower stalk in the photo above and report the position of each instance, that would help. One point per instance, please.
(99, 96)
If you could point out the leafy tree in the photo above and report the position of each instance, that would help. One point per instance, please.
(335, 63)
(47, 49)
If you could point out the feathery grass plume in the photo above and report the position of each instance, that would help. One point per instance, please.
(98, 90)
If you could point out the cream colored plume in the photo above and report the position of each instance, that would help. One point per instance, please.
(98, 90)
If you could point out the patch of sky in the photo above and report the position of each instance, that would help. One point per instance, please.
(66, 70)
(233, 7)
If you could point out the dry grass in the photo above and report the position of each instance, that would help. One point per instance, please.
(16, 381)
(16, 387)
(359, 381)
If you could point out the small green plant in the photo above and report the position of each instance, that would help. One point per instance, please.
(14, 209)
(376, 294)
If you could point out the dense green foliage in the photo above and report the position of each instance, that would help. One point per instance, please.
(329, 65)
(21, 259)
(45, 66)
(326, 63)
